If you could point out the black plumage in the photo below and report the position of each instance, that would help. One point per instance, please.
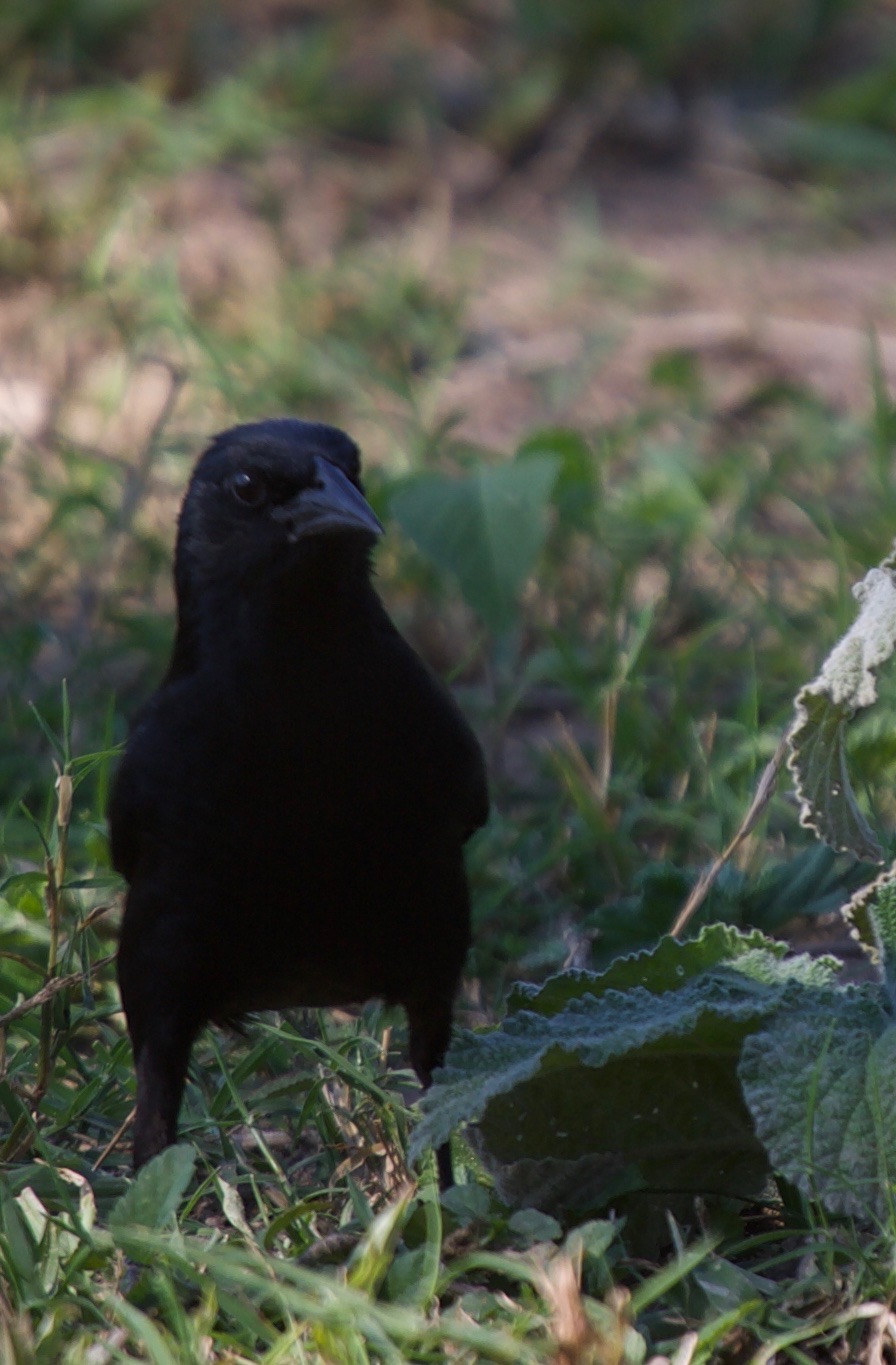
(293, 801)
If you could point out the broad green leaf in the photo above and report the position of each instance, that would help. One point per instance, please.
(531, 1225)
(577, 488)
(467, 1203)
(486, 529)
(821, 1086)
(845, 685)
(571, 1188)
(19, 1247)
(406, 1273)
(86, 1199)
(157, 1189)
(55, 1241)
(663, 501)
(621, 1090)
(725, 1286)
(663, 968)
(374, 1254)
(431, 1250)
(588, 1032)
(593, 1238)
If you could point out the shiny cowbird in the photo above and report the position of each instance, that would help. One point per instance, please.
(291, 808)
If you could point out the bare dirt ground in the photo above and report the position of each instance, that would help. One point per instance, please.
(672, 264)
(570, 295)
(803, 304)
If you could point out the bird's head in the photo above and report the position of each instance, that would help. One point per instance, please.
(274, 529)
(270, 498)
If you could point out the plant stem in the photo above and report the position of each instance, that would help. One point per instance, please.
(55, 868)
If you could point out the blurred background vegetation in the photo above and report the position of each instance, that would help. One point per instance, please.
(442, 225)
(605, 290)
(427, 221)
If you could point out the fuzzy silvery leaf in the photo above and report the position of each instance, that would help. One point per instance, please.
(871, 915)
(846, 684)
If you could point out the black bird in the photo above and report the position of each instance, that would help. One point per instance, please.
(293, 801)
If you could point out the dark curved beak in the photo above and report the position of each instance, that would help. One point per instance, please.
(331, 506)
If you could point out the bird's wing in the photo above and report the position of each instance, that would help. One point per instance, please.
(449, 750)
(128, 814)
(166, 734)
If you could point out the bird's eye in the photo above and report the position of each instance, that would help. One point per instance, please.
(249, 489)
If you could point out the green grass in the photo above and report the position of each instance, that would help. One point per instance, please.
(691, 564)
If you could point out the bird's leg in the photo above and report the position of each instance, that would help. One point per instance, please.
(159, 975)
(161, 1055)
(429, 1023)
(443, 1164)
